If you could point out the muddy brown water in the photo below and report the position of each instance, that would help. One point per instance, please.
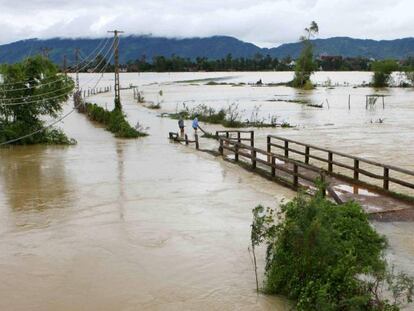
(144, 224)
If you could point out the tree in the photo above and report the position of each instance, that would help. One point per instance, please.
(409, 75)
(382, 72)
(30, 91)
(304, 64)
(409, 70)
(327, 257)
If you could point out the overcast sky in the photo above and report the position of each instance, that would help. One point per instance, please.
(265, 23)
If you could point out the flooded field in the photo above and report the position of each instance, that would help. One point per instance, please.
(144, 224)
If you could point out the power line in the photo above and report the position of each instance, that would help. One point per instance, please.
(51, 82)
(106, 40)
(16, 83)
(53, 123)
(55, 91)
(93, 59)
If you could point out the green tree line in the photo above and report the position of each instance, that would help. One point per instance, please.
(257, 63)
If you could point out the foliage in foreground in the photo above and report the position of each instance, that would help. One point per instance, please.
(32, 90)
(327, 257)
(114, 121)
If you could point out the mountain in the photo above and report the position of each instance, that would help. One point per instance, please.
(349, 47)
(133, 47)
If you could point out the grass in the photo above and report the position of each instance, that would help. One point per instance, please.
(229, 117)
(114, 121)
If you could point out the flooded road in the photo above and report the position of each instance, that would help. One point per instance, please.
(127, 225)
(144, 224)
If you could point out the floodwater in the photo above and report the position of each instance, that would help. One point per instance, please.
(145, 224)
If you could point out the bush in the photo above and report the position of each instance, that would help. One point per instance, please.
(382, 72)
(10, 131)
(326, 257)
(33, 80)
(114, 121)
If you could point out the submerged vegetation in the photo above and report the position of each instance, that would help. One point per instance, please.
(30, 91)
(327, 257)
(114, 121)
(231, 116)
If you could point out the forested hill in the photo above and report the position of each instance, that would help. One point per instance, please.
(349, 47)
(133, 47)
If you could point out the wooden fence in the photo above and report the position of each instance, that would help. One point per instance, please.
(95, 91)
(239, 136)
(176, 137)
(293, 170)
(333, 158)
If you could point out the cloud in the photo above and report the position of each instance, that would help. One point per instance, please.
(264, 22)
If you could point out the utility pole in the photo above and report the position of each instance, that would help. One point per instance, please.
(116, 64)
(65, 65)
(77, 51)
(45, 52)
(77, 99)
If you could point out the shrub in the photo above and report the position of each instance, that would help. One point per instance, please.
(114, 121)
(326, 257)
(10, 131)
(32, 80)
(382, 72)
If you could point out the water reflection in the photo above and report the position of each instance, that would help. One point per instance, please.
(120, 166)
(33, 180)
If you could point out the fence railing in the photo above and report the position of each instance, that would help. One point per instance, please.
(176, 137)
(333, 158)
(95, 91)
(295, 171)
(238, 136)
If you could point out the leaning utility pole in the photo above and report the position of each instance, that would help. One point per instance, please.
(116, 65)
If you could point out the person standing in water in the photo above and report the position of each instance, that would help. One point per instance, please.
(181, 125)
(195, 124)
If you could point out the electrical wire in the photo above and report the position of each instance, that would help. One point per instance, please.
(93, 59)
(51, 92)
(54, 122)
(96, 49)
(59, 96)
(57, 80)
